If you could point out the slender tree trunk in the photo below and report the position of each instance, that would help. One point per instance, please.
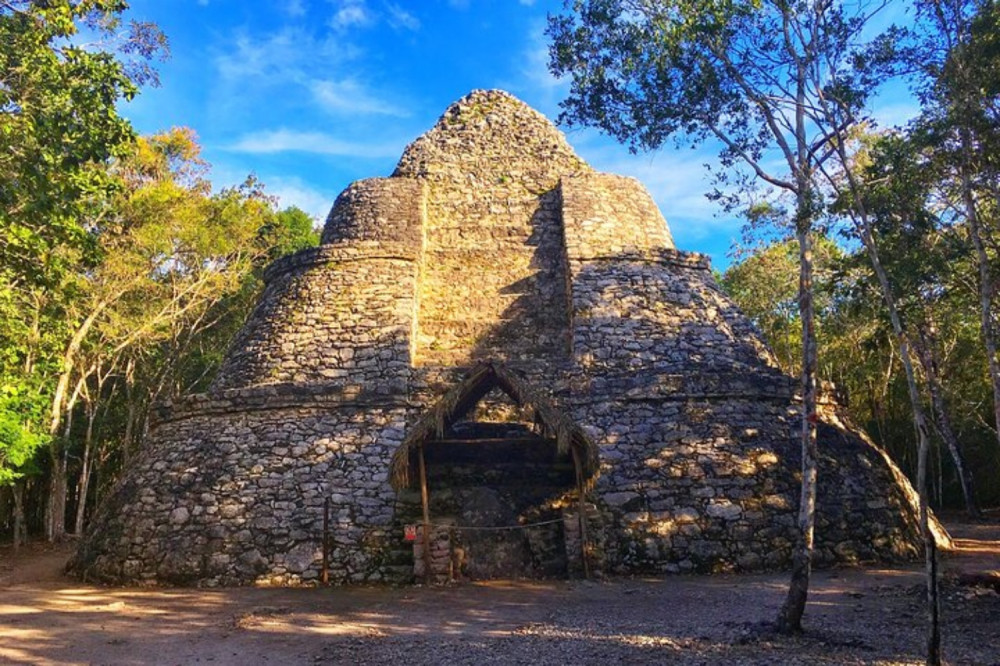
(68, 365)
(930, 544)
(130, 414)
(790, 615)
(928, 360)
(966, 102)
(55, 516)
(83, 485)
(986, 289)
(58, 483)
(20, 532)
(792, 610)
(863, 227)
(59, 477)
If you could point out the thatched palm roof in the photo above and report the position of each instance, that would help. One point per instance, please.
(455, 404)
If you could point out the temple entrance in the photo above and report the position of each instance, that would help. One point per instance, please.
(496, 474)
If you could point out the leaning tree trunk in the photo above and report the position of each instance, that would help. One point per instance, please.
(62, 408)
(928, 359)
(862, 223)
(985, 292)
(930, 544)
(83, 486)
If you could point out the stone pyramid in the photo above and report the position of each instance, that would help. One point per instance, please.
(506, 328)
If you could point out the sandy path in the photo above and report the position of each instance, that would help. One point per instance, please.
(856, 616)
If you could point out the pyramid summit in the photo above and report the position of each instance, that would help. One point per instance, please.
(496, 364)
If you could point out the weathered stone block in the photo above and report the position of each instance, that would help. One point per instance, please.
(492, 241)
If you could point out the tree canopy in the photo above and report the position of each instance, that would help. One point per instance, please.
(59, 125)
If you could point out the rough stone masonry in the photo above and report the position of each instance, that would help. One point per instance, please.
(492, 242)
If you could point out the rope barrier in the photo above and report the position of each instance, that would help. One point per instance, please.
(477, 528)
(467, 528)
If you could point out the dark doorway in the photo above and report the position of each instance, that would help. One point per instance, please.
(500, 468)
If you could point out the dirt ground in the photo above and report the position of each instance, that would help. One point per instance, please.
(855, 616)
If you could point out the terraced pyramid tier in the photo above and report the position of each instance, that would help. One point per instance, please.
(523, 325)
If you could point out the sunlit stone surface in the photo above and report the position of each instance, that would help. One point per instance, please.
(491, 242)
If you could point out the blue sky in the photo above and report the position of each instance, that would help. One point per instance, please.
(311, 95)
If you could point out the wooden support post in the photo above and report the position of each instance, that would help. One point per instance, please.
(583, 516)
(326, 541)
(425, 501)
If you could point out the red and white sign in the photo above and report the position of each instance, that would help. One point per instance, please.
(410, 532)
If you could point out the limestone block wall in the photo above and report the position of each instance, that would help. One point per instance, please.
(327, 313)
(608, 215)
(658, 312)
(377, 209)
(708, 483)
(493, 282)
(224, 493)
(492, 240)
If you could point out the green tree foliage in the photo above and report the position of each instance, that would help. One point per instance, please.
(959, 57)
(59, 125)
(765, 284)
(19, 440)
(292, 230)
(859, 354)
(146, 315)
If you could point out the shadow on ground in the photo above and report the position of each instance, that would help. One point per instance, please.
(855, 616)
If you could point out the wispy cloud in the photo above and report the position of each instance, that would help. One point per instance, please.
(348, 96)
(352, 14)
(279, 57)
(302, 67)
(295, 192)
(287, 140)
(895, 114)
(533, 81)
(398, 18)
(536, 61)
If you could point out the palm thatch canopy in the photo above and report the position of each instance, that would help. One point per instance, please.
(455, 404)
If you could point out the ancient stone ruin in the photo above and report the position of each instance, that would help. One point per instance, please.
(502, 344)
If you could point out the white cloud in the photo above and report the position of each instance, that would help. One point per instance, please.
(296, 65)
(279, 57)
(347, 96)
(534, 83)
(536, 61)
(352, 14)
(399, 18)
(678, 182)
(287, 140)
(295, 192)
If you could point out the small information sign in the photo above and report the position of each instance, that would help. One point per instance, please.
(410, 532)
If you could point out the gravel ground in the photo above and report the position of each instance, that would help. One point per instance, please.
(855, 616)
